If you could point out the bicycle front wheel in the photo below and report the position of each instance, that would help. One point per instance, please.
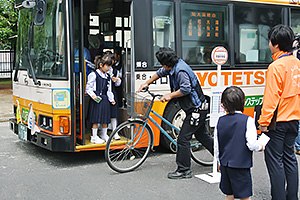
(131, 151)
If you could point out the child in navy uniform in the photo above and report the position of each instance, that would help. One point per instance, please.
(115, 82)
(119, 67)
(99, 89)
(235, 139)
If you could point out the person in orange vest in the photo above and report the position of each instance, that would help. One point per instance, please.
(282, 92)
(296, 53)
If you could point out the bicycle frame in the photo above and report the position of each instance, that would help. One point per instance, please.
(147, 116)
(163, 130)
(157, 125)
(127, 155)
(160, 128)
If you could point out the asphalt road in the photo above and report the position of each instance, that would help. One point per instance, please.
(30, 172)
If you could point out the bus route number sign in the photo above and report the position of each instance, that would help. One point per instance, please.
(219, 55)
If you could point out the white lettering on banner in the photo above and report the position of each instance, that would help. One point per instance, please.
(251, 102)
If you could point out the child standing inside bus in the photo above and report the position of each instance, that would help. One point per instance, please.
(115, 82)
(98, 88)
(235, 139)
(119, 67)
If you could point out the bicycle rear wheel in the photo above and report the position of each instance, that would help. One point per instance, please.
(131, 151)
(198, 152)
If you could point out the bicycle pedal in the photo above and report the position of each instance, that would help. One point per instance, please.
(152, 149)
(132, 157)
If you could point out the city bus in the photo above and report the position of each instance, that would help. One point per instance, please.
(49, 75)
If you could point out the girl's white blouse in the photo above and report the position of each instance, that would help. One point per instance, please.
(91, 85)
(110, 72)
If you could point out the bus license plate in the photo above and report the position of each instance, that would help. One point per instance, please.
(22, 132)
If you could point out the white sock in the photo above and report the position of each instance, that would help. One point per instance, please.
(94, 131)
(104, 132)
(113, 123)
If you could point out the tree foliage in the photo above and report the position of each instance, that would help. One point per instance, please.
(8, 21)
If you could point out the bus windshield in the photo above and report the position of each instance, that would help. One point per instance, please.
(41, 41)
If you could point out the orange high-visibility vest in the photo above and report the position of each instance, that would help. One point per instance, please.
(282, 88)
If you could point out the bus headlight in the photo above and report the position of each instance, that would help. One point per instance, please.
(64, 124)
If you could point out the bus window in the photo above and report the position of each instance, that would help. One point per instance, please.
(295, 21)
(120, 28)
(252, 25)
(163, 26)
(23, 38)
(203, 28)
(47, 44)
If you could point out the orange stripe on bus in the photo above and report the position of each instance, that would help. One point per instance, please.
(271, 2)
(44, 109)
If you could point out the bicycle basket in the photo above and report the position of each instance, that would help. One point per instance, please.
(137, 105)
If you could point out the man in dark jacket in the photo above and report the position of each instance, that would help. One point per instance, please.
(186, 88)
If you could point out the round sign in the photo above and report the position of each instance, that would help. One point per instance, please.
(219, 55)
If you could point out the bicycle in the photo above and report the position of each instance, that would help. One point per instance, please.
(131, 151)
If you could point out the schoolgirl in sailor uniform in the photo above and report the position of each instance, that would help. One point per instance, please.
(119, 67)
(99, 89)
(115, 82)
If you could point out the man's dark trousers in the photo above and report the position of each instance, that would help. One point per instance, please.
(281, 161)
(183, 155)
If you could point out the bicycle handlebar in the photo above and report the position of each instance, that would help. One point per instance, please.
(146, 89)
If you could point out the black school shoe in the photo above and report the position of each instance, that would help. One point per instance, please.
(180, 175)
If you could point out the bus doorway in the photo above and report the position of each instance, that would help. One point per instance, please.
(104, 26)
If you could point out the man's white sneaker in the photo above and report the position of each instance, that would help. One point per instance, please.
(104, 137)
(96, 140)
(117, 137)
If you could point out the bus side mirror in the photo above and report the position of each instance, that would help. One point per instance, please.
(41, 9)
(28, 3)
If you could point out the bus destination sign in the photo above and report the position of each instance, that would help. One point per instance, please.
(204, 25)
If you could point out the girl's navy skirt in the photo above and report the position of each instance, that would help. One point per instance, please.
(99, 113)
(115, 110)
